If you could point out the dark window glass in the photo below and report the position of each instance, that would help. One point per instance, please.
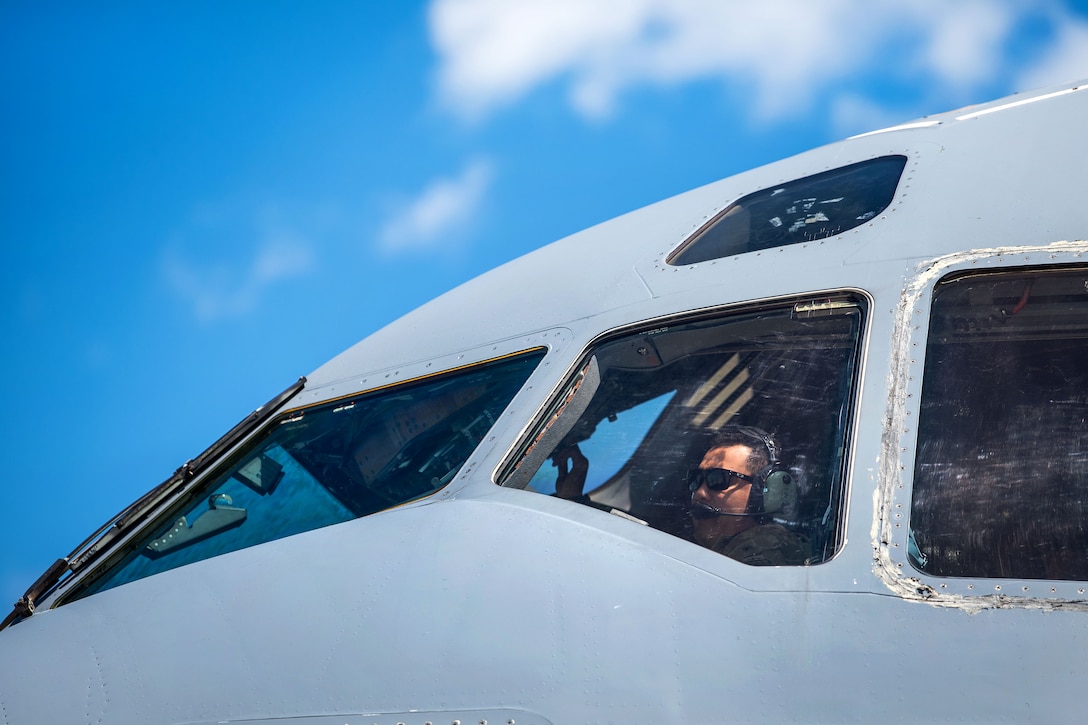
(330, 463)
(648, 407)
(811, 208)
(1001, 478)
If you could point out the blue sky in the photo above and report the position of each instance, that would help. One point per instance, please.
(200, 202)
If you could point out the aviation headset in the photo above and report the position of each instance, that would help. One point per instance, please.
(773, 489)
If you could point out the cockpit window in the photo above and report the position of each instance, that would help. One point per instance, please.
(1001, 469)
(804, 210)
(729, 432)
(612, 448)
(329, 463)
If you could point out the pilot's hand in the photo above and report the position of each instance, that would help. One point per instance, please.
(573, 467)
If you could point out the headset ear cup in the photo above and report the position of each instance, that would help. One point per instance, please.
(779, 492)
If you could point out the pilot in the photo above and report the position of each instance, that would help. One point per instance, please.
(736, 488)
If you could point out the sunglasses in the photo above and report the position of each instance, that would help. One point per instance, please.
(716, 479)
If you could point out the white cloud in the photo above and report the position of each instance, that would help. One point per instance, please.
(851, 114)
(1065, 61)
(787, 53)
(493, 51)
(964, 41)
(229, 287)
(444, 209)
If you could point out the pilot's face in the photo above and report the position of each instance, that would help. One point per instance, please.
(712, 530)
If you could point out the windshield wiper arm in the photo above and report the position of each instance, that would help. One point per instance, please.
(98, 542)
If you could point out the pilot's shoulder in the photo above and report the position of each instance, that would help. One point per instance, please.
(768, 545)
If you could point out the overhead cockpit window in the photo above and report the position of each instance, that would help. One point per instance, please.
(729, 432)
(1001, 471)
(329, 463)
(808, 209)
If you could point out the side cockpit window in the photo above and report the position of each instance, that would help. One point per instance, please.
(1001, 471)
(728, 432)
(327, 464)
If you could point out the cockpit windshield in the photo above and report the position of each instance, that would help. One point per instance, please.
(327, 464)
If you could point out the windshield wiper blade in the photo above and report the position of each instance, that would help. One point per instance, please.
(102, 539)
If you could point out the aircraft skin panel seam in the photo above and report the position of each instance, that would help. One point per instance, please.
(410, 380)
(552, 336)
